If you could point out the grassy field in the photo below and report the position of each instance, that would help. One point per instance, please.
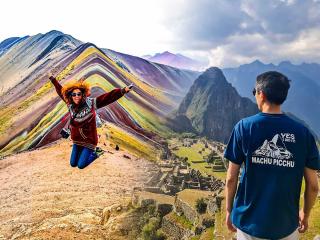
(192, 153)
(182, 220)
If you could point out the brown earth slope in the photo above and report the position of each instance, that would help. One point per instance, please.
(42, 197)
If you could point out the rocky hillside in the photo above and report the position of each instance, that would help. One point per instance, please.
(211, 107)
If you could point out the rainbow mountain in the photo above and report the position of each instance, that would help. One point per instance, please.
(32, 114)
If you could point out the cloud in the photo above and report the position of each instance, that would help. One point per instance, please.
(233, 32)
(222, 32)
(241, 49)
(206, 22)
(287, 17)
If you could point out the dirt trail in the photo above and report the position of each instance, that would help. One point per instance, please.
(42, 195)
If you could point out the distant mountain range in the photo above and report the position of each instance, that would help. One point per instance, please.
(211, 108)
(303, 99)
(175, 60)
(153, 72)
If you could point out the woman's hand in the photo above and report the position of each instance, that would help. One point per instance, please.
(128, 88)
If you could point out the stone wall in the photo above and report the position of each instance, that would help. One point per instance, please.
(185, 203)
(183, 208)
(174, 230)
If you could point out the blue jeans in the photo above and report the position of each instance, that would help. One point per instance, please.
(81, 156)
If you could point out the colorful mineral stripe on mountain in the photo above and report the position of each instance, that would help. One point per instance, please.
(32, 113)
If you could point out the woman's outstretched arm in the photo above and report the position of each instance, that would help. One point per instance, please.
(57, 86)
(111, 96)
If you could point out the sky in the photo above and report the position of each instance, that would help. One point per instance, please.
(223, 33)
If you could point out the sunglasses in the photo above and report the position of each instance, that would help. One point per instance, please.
(254, 91)
(76, 94)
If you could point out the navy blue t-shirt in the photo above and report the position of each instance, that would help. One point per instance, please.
(274, 150)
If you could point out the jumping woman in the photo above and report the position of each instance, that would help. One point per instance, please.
(83, 115)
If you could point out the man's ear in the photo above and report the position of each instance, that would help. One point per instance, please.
(263, 96)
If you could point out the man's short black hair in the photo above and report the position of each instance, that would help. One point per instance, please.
(274, 85)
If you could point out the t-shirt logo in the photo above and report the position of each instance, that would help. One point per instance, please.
(274, 148)
(275, 152)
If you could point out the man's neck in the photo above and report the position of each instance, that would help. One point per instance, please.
(272, 109)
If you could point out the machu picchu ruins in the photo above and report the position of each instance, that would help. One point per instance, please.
(174, 175)
(174, 189)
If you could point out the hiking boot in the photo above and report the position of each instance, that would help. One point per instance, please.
(99, 151)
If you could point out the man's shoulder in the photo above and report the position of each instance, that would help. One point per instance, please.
(247, 121)
(298, 123)
(252, 118)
